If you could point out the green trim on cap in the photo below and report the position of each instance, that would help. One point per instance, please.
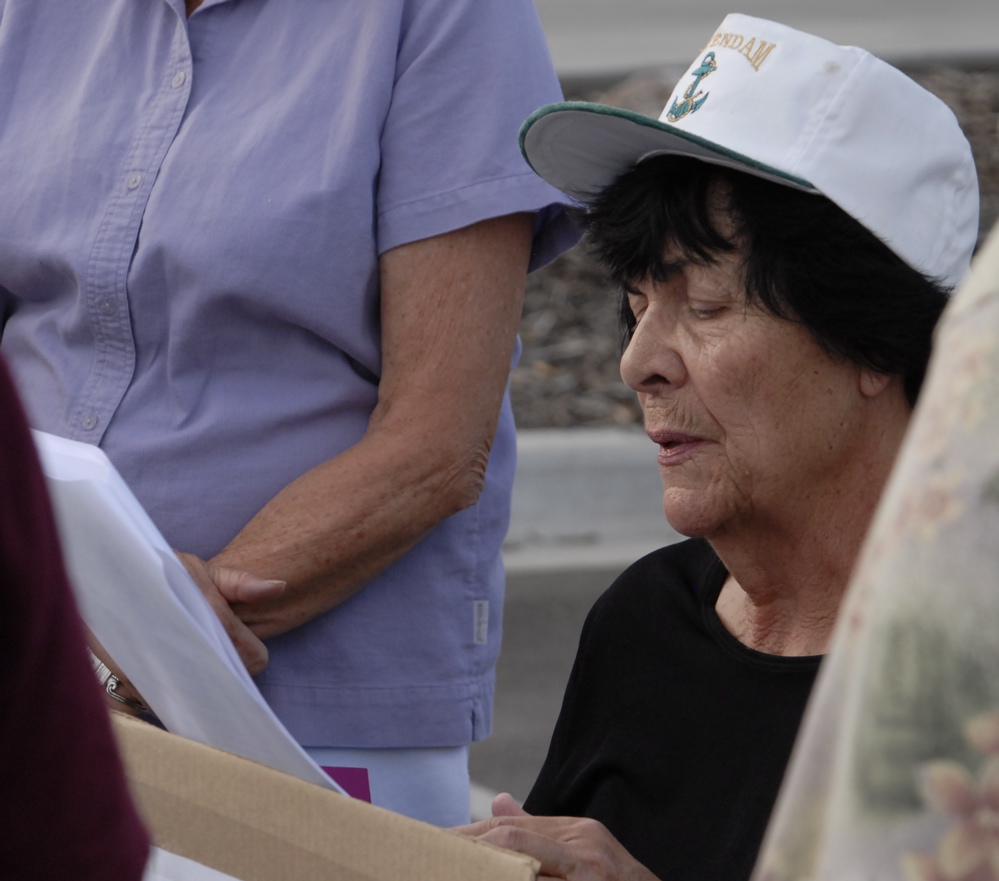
(648, 122)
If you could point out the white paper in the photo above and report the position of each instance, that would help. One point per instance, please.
(166, 866)
(137, 598)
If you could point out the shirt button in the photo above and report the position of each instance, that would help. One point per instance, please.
(89, 421)
(133, 180)
(107, 306)
(178, 79)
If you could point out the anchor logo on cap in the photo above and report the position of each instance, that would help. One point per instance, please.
(690, 103)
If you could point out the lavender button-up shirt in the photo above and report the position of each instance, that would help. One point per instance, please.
(191, 214)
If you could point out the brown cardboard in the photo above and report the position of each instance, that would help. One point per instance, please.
(258, 824)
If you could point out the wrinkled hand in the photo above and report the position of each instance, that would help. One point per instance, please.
(569, 848)
(222, 586)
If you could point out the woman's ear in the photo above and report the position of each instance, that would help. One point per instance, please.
(873, 383)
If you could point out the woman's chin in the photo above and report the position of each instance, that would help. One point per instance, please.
(691, 517)
(689, 529)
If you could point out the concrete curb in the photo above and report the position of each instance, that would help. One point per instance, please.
(584, 498)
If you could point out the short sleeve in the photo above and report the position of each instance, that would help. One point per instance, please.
(468, 73)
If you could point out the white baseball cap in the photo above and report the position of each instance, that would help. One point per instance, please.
(796, 109)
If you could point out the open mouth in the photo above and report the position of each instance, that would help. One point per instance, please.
(669, 440)
(674, 446)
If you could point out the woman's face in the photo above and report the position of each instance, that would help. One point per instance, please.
(753, 419)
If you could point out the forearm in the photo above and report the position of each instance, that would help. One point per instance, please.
(449, 316)
(332, 530)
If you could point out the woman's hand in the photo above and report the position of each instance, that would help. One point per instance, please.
(570, 848)
(222, 586)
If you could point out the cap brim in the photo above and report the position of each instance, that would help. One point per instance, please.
(580, 148)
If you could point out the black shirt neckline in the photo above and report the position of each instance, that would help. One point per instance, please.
(708, 592)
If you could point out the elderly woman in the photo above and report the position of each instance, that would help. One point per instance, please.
(784, 238)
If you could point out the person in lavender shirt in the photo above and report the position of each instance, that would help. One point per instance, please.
(270, 258)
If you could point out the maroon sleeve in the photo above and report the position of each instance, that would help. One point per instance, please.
(67, 813)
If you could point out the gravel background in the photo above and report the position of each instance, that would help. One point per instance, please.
(568, 372)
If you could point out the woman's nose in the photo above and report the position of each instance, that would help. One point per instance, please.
(651, 362)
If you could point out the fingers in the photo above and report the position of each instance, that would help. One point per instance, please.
(237, 586)
(556, 857)
(571, 848)
(505, 805)
(252, 652)
(479, 828)
(555, 827)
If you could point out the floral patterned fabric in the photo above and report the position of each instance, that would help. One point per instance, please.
(896, 772)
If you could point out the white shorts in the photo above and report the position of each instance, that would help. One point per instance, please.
(427, 784)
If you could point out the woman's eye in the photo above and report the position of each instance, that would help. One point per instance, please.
(636, 306)
(706, 311)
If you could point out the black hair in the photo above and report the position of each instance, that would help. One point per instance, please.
(806, 259)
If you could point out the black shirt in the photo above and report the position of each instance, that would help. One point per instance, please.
(673, 733)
